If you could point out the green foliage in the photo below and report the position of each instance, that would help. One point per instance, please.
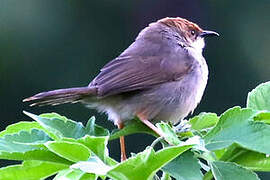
(144, 165)
(203, 121)
(185, 166)
(31, 170)
(258, 98)
(237, 126)
(230, 146)
(227, 170)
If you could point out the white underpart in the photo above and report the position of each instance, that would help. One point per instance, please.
(196, 51)
(198, 44)
(201, 88)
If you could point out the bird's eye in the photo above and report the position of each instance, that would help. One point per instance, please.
(192, 32)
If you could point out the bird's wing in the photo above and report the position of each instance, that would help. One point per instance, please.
(130, 73)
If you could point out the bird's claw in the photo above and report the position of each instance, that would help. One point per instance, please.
(183, 126)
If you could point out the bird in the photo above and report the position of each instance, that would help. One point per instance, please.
(161, 76)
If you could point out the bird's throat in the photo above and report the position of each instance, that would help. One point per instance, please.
(198, 45)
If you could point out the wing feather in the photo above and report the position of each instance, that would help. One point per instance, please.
(132, 73)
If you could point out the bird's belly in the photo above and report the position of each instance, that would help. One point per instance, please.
(169, 102)
(179, 101)
(172, 101)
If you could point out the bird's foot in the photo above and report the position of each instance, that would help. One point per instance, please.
(183, 126)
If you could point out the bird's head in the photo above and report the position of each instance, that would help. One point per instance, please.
(188, 33)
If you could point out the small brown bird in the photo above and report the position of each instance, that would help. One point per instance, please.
(160, 76)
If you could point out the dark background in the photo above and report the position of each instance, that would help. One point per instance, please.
(51, 44)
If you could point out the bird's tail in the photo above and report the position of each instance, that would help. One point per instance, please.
(61, 96)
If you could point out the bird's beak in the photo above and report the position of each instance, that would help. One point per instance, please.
(208, 33)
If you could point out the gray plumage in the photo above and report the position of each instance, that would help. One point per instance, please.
(162, 75)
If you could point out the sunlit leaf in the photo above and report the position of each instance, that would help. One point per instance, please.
(26, 145)
(98, 145)
(23, 141)
(35, 136)
(145, 164)
(203, 121)
(74, 174)
(93, 165)
(36, 154)
(263, 117)
(94, 130)
(71, 151)
(30, 170)
(60, 127)
(254, 161)
(20, 126)
(169, 133)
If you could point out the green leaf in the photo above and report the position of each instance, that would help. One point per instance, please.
(165, 176)
(93, 165)
(33, 137)
(110, 161)
(203, 121)
(254, 161)
(23, 141)
(98, 145)
(230, 153)
(37, 154)
(220, 152)
(60, 127)
(74, 174)
(228, 171)
(26, 145)
(170, 135)
(71, 151)
(259, 98)
(94, 130)
(237, 126)
(30, 170)
(134, 126)
(6, 146)
(184, 167)
(144, 165)
(20, 126)
(263, 117)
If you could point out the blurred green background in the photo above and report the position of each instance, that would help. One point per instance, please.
(51, 44)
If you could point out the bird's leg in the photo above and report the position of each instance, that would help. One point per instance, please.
(150, 125)
(122, 143)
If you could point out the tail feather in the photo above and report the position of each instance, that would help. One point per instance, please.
(61, 96)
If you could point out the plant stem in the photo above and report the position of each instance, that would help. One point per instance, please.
(156, 141)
